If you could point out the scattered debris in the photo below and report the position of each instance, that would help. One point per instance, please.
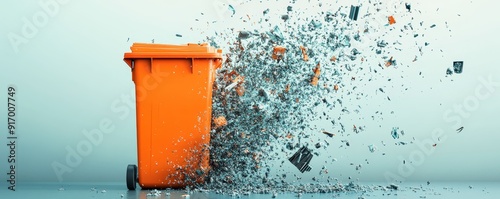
(154, 192)
(264, 89)
(178, 35)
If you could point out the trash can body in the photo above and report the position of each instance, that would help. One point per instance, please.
(173, 86)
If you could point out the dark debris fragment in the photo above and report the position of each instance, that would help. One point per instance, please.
(353, 14)
(458, 66)
(301, 159)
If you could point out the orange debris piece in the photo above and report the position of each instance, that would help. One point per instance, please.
(278, 52)
(389, 62)
(333, 59)
(304, 53)
(336, 87)
(317, 72)
(220, 121)
(391, 20)
(240, 90)
(287, 88)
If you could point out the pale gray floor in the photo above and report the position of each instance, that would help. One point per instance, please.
(116, 190)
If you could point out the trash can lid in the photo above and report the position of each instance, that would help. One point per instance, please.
(190, 50)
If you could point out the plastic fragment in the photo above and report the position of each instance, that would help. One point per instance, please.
(328, 133)
(372, 148)
(276, 34)
(354, 13)
(390, 62)
(301, 159)
(278, 52)
(317, 72)
(333, 59)
(458, 66)
(265, 11)
(244, 35)
(382, 43)
(408, 7)
(393, 187)
(285, 17)
(220, 121)
(395, 133)
(449, 72)
(304, 53)
(231, 86)
(231, 8)
(391, 20)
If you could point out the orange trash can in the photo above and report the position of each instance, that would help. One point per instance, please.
(173, 86)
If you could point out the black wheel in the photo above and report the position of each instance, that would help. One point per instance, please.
(131, 176)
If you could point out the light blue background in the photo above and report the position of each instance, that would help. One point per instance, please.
(70, 74)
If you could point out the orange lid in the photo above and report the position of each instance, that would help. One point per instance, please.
(190, 50)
